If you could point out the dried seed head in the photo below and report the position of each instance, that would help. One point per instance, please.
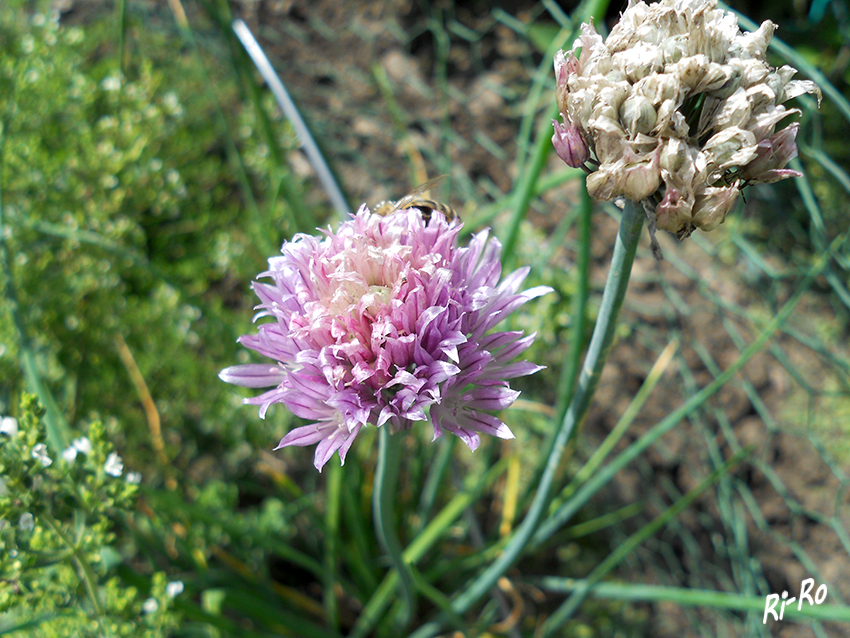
(678, 106)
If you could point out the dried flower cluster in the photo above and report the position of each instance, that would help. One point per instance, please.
(679, 108)
(382, 320)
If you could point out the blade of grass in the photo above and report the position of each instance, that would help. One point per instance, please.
(568, 509)
(358, 556)
(258, 229)
(565, 611)
(282, 621)
(436, 471)
(631, 412)
(279, 174)
(692, 597)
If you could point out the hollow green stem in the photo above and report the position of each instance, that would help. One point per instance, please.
(600, 344)
(383, 498)
(332, 515)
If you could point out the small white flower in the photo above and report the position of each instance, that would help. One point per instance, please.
(174, 588)
(111, 83)
(82, 444)
(27, 522)
(114, 465)
(134, 478)
(150, 606)
(9, 426)
(172, 103)
(40, 452)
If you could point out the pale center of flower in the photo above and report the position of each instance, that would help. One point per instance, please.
(361, 281)
(376, 299)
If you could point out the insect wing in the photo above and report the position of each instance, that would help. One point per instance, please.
(405, 201)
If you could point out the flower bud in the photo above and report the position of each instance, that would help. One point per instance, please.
(730, 147)
(639, 61)
(730, 85)
(689, 71)
(659, 88)
(754, 44)
(796, 88)
(569, 144)
(771, 155)
(714, 76)
(761, 97)
(564, 68)
(753, 72)
(610, 140)
(735, 111)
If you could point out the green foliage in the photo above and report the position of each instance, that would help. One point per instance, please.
(58, 547)
(123, 213)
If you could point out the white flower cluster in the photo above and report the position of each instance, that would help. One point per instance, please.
(679, 108)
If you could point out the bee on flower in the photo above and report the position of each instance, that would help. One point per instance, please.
(677, 109)
(387, 322)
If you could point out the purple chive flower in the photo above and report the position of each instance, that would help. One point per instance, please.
(382, 320)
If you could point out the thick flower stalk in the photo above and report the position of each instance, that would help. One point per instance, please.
(385, 322)
(678, 108)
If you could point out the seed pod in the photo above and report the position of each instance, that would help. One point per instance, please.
(637, 115)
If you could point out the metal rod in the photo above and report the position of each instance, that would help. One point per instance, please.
(291, 112)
